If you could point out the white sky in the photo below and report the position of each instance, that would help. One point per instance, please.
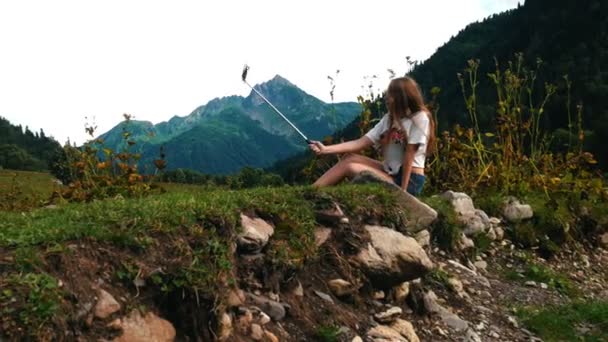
(63, 60)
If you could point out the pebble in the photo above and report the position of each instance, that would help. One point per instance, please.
(544, 286)
(530, 283)
(513, 321)
(379, 295)
(324, 296)
(494, 334)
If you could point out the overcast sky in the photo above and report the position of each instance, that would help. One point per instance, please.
(62, 61)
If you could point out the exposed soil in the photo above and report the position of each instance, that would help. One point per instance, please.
(487, 303)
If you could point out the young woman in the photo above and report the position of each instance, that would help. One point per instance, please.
(405, 133)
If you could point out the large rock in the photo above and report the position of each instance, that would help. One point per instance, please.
(391, 258)
(149, 328)
(255, 234)
(514, 211)
(461, 202)
(418, 215)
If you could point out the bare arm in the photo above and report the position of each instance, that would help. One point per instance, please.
(345, 147)
(408, 161)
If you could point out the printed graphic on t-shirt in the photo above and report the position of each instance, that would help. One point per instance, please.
(393, 151)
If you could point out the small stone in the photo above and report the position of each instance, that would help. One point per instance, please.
(106, 305)
(322, 235)
(275, 310)
(389, 315)
(400, 292)
(378, 295)
(472, 336)
(513, 321)
(530, 283)
(465, 243)
(515, 212)
(494, 334)
(406, 329)
(244, 322)
(491, 234)
(481, 265)
(224, 327)
(500, 233)
(494, 221)
(457, 286)
(257, 333)
(270, 337)
(384, 333)
(603, 240)
(298, 290)
(544, 286)
(357, 339)
(149, 328)
(324, 296)
(453, 321)
(236, 297)
(340, 287)
(264, 319)
(255, 234)
(423, 238)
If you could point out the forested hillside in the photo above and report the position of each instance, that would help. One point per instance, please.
(22, 149)
(566, 37)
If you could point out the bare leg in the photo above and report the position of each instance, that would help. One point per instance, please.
(349, 167)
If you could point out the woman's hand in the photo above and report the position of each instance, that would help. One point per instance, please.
(318, 148)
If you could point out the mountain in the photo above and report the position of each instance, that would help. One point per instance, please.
(569, 37)
(229, 133)
(22, 149)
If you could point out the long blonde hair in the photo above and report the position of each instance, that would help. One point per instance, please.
(404, 99)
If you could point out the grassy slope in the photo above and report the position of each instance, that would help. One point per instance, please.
(194, 224)
(187, 233)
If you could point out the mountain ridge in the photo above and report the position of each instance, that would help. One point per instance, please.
(231, 120)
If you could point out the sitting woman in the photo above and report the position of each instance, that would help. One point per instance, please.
(405, 134)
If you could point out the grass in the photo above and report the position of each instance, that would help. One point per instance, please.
(577, 321)
(447, 230)
(328, 333)
(29, 300)
(543, 274)
(24, 190)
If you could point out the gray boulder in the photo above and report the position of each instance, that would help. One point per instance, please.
(391, 258)
(418, 215)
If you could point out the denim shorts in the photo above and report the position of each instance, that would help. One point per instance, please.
(416, 182)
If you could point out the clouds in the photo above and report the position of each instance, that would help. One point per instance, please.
(63, 60)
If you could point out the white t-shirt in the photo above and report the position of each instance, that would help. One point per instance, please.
(417, 128)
